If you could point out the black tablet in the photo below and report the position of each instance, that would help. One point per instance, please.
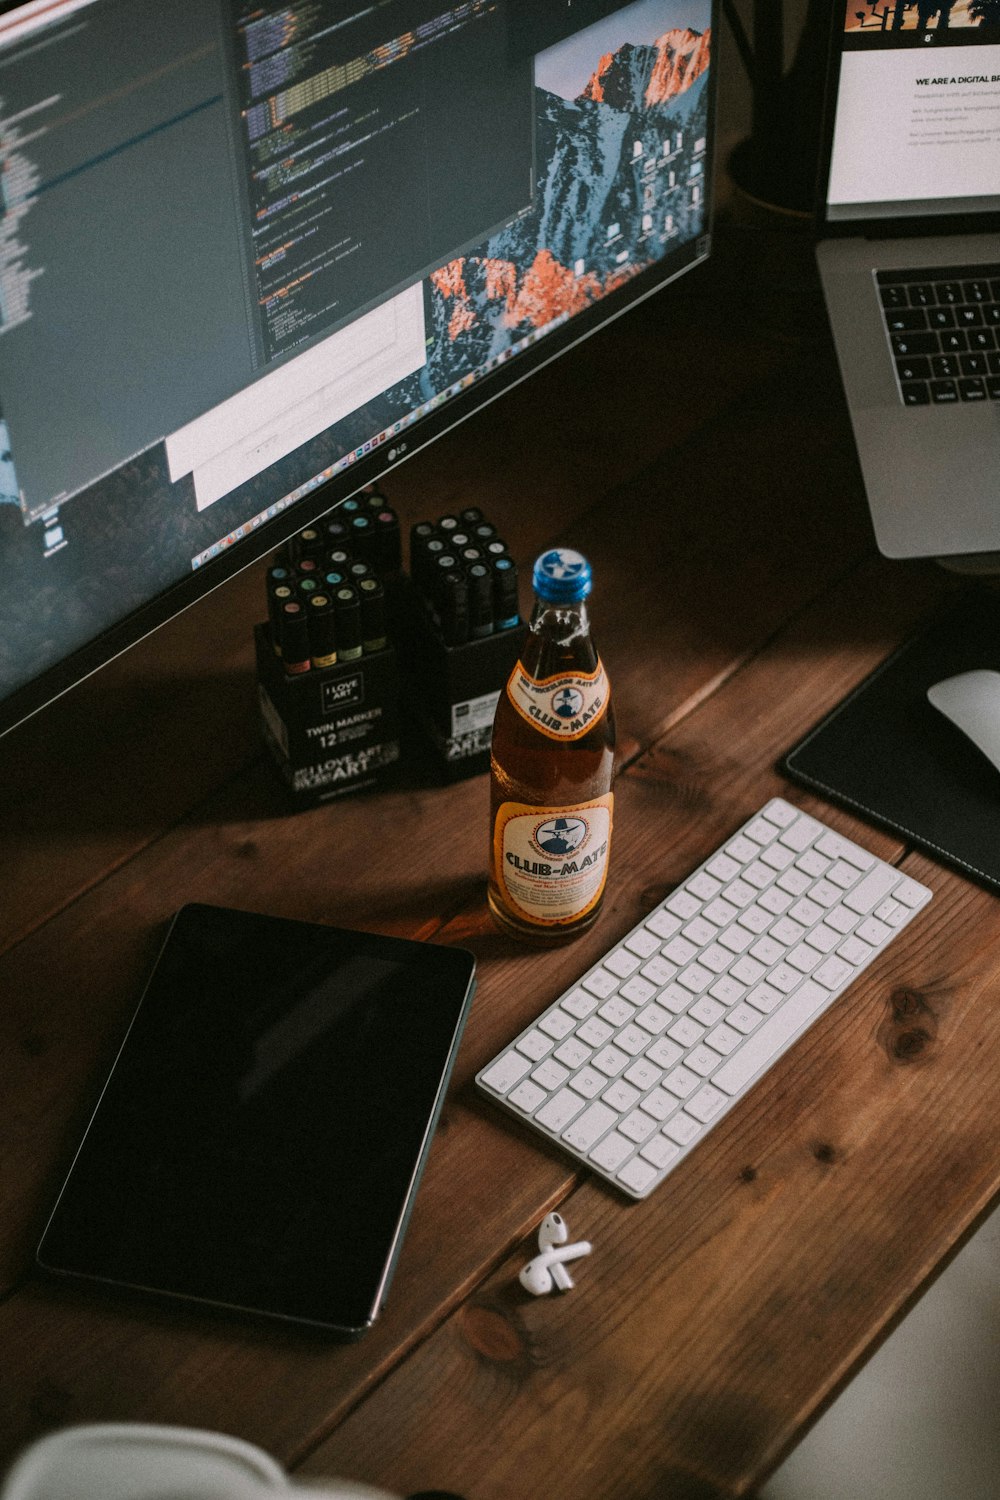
(260, 1138)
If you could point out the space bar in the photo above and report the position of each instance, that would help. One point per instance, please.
(766, 1043)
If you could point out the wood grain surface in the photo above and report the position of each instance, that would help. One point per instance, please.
(698, 451)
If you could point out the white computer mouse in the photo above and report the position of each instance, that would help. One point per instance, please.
(971, 700)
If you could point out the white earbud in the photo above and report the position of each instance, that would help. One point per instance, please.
(554, 1230)
(548, 1269)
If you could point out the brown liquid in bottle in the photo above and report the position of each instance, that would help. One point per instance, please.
(551, 778)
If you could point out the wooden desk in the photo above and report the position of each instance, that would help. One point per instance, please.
(699, 453)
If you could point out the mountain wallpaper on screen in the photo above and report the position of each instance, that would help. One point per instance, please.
(619, 182)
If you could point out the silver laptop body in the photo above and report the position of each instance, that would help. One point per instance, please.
(913, 146)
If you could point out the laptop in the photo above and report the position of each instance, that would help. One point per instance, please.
(910, 266)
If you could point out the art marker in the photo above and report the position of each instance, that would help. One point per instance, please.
(485, 531)
(351, 507)
(339, 558)
(496, 548)
(277, 574)
(420, 554)
(471, 554)
(471, 515)
(336, 533)
(348, 622)
(294, 635)
(480, 600)
(447, 523)
(505, 607)
(362, 532)
(459, 539)
(373, 632)
(388, 549)
(308, 585)
(308, 543)
(453, 607)
(322, 631)
(307, 565)
(358, 570)
(277, 593)
(334, 578)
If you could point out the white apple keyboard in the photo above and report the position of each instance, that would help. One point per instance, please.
(632, 1066)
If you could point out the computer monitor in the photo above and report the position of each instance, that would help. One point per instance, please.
(253, 256)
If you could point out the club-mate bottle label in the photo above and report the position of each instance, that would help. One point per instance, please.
(564, 707)
(553, 861)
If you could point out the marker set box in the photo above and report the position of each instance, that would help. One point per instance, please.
(360, 666)
(460, 632)
(327, 671)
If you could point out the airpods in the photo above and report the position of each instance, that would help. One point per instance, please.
(548, 1270)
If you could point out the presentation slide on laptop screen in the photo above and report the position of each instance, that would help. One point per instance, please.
(918, 111)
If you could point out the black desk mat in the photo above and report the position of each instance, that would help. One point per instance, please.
(887, 754)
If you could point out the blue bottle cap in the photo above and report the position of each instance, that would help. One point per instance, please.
(562, 576)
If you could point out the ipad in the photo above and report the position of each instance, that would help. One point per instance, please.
(259, 1141)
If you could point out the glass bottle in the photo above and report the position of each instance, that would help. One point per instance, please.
(552, 766)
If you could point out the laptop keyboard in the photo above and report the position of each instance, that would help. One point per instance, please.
(943, 326)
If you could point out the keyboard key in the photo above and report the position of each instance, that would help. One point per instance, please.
(665, 1053)
(833, 973)
(550, 1075)
(527, 1096)
(876, 885)
(556, 1024)
(659, 1152)
(610, 1060)
(702, 1060)
(659, 1104)
(643, 943)
(588, 1082)
(638, 1174)
(580, 1004)
(664, 924)
(535, 1045)
(771, 1037)
(590, 1126)
(616, 1011)
(642, 1074)
(681, 1081)
(506, 1071)
(620, 1096)
(638, 1126)
(622, 963)
(560, 1109)
(658, 970)
(706, 1103)
(653, 1018)
(601, 983)
(707, 1011)
(781, 812)
(632, 1040)
(683, 904)
(686, 1032)
(871, 930)
(612, 1151)
(572, 1053)
(637, 990)
(724, 1039)
(681, 1128)
(595, 1032)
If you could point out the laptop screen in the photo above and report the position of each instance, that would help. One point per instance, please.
(916, 128)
